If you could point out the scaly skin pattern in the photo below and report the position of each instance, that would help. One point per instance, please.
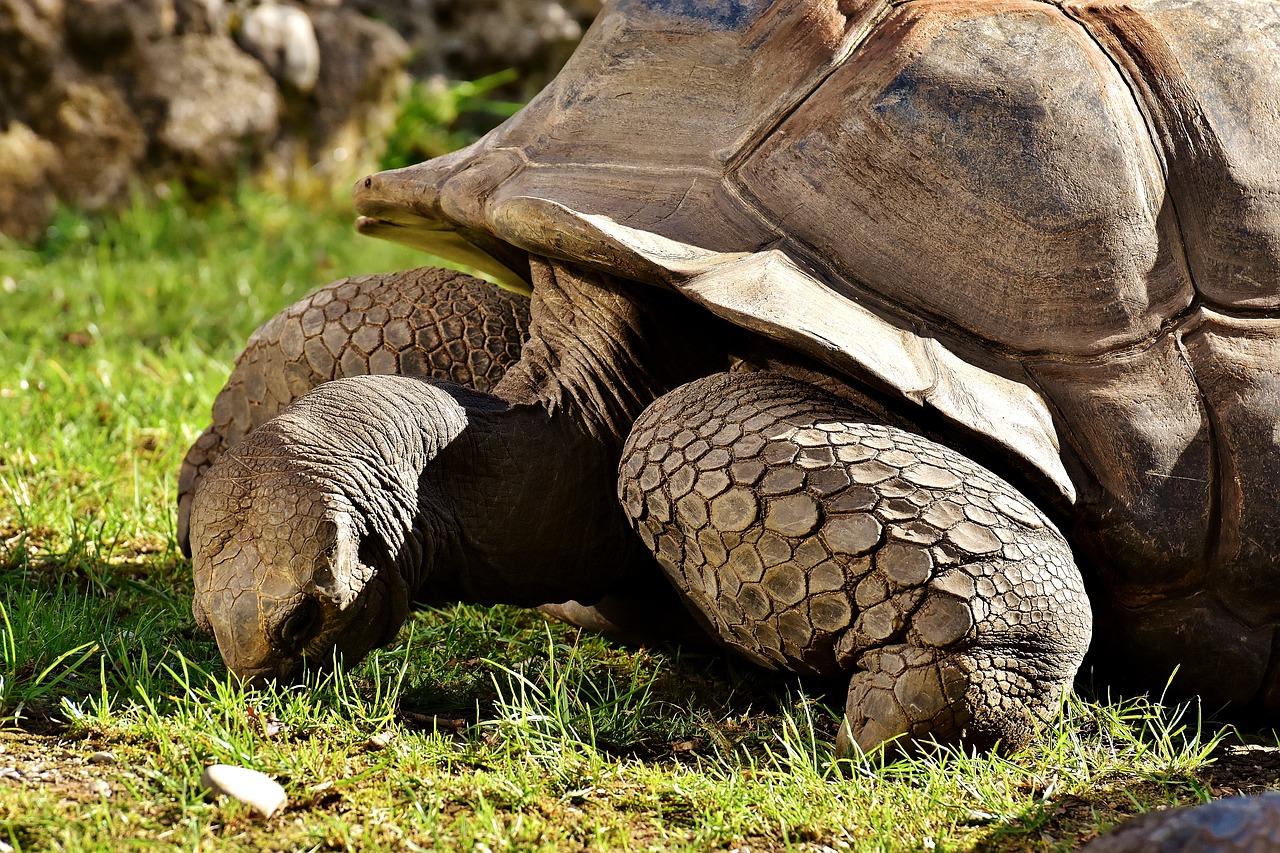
(424, 322)
(812, 541)
(1231, 825)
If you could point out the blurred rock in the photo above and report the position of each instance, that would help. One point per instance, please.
(26, 196)
(208, 106)
(99, 137)
(30, 37)
(98, 29)
(201, 17)
(282, 39)
(466, 39)
(355, 96)
(30, 27)
(104, 96)
(1229, 825)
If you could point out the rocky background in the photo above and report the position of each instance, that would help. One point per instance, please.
(99, 98)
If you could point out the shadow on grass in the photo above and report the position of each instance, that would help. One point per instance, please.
(1235, 763)
(654, 704)
(84, 631)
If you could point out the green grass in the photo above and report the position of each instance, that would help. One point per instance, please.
(480, 729)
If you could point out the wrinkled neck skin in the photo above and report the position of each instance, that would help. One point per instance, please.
(301, 535)
(521, 507)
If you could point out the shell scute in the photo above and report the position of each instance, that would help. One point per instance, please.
(985, 166)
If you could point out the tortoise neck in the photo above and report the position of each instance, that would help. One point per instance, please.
(522, 504)
(600, 349)
(519, 509)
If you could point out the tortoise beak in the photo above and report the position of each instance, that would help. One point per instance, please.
(439, 207)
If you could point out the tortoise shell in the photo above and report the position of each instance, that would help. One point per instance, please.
(1055, 223)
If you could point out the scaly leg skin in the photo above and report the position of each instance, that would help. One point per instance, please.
(427, 322)
(812, 541)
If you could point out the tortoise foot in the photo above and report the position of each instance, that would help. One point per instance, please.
(905, 693)
(813, 541)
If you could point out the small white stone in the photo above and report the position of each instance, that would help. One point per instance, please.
(103, 757)
(256, 790)
(380, 741)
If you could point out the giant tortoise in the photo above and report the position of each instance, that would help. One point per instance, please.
(928, 343)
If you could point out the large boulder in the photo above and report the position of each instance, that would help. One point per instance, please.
(97, 134)
(207, 105)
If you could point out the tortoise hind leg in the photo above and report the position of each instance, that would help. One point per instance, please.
(422, 322)
(812, 541)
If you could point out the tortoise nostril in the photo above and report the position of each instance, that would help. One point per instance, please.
(299, 625)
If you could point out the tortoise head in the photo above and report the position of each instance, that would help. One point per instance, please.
(289, 584)
(306, 536)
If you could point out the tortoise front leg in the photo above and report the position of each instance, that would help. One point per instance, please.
(426, 322)
(812, 541)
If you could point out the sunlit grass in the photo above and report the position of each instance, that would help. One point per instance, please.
(115, 335)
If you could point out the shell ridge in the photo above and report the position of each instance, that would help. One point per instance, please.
(768, 292)
(856, 37)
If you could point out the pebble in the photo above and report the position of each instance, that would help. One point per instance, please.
(102, 756)
(380, 741)
(100, 788)
(256, 790)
